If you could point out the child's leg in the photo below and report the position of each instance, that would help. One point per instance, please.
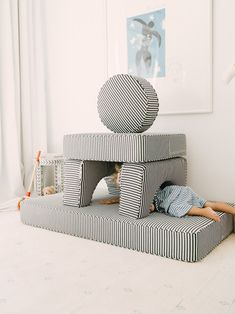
(110, 201)
(220, 206)
(205, 212)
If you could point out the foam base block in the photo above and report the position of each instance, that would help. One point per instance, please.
(186, 239)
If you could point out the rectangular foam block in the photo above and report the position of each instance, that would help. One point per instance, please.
(186, 239)
(123, 147)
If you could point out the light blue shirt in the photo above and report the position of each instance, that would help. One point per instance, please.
(177, 200)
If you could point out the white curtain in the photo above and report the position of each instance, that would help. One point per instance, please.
(22, 93)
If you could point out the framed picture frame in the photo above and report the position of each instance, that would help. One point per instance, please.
(167, 42)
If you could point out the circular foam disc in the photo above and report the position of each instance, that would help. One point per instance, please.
(127, 104)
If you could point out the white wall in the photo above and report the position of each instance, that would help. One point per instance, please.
(76, 46)
(76, 63)
(211, 137)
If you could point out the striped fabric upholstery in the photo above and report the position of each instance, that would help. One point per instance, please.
(186, 239)
(72, 182)
(81, 179)
(124, 147)
(127, 104)
(139, 182)
(233, 204)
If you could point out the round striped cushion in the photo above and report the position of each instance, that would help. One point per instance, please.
(127, 104)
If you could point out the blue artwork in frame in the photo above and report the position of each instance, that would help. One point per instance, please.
(146, 44)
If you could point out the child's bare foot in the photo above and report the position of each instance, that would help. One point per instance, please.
(151, 208)
(210, 213)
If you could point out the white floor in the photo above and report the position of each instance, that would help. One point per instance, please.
(44, 272)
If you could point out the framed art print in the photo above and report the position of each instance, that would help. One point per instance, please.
(146, 44)
(167, 42)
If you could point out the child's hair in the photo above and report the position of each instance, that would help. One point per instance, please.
(165, 184)
(117, 167)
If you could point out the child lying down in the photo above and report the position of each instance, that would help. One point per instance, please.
(178, 201)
